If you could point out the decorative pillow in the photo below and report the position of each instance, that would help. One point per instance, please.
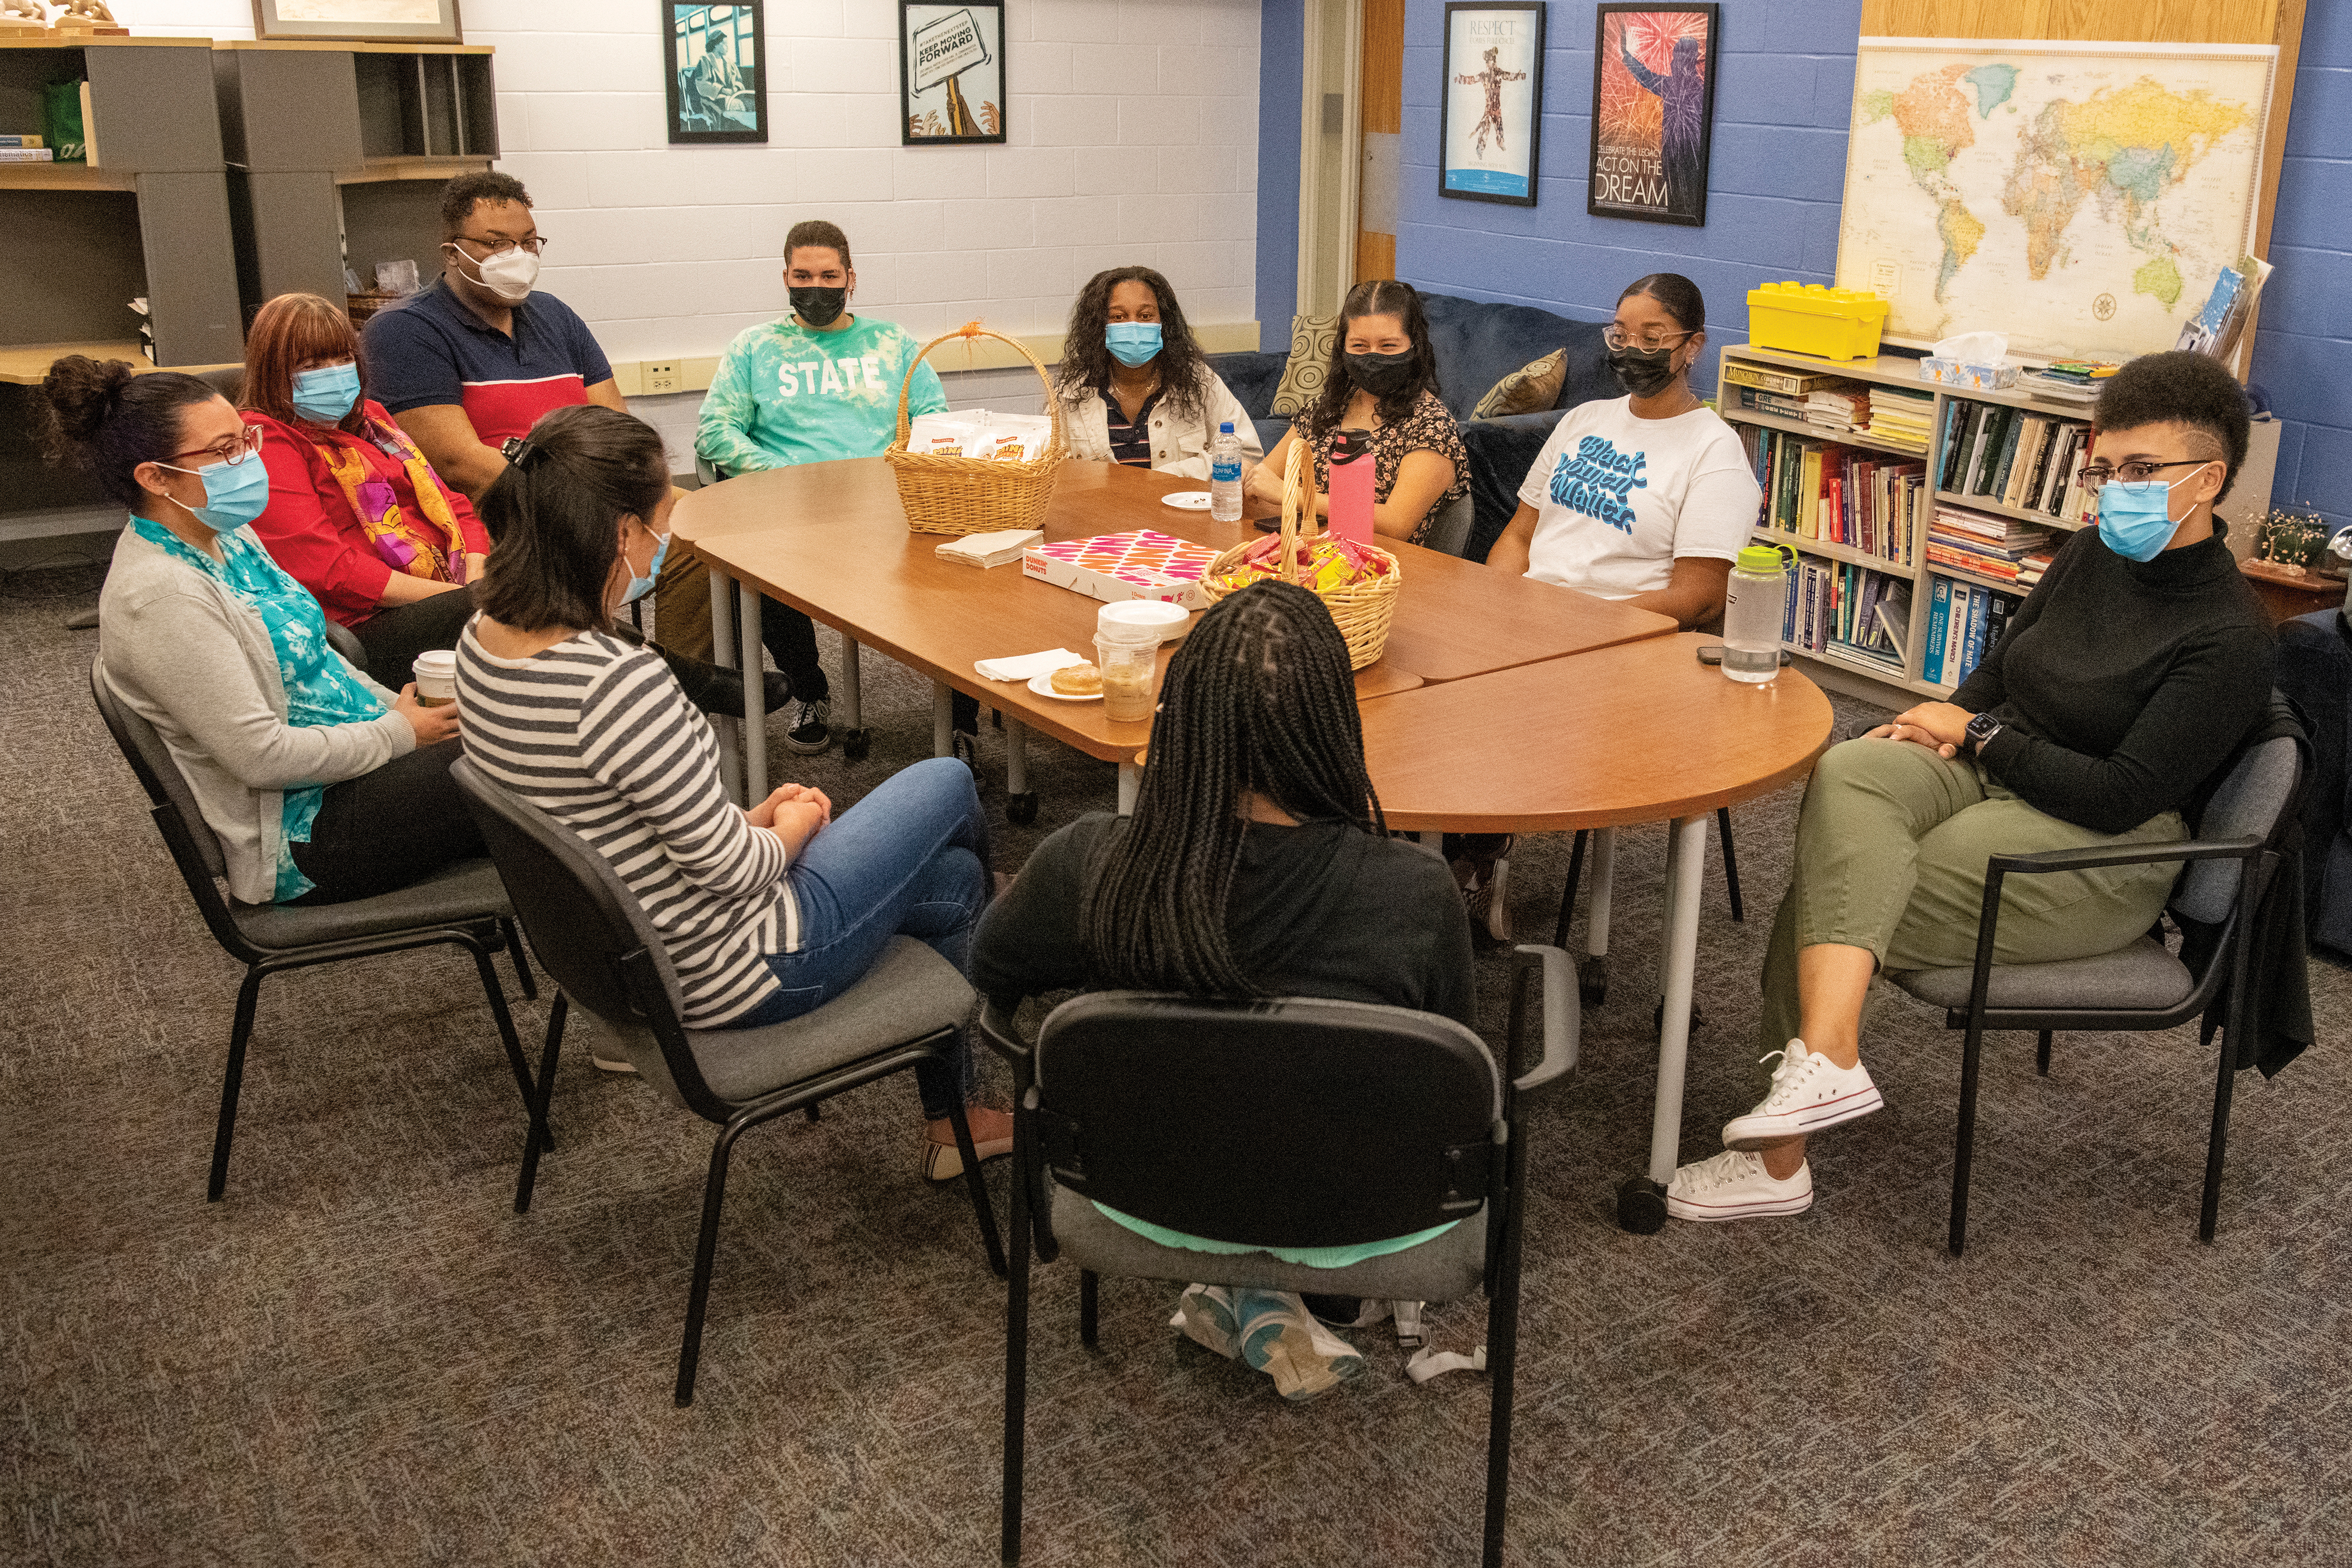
(1530, 389)
(1311, 338)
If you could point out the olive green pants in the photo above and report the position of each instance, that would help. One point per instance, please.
(1891, 851)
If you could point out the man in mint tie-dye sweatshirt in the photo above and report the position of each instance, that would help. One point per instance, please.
(819, 385)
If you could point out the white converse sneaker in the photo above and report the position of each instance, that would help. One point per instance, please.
(1810, 1093)
(1734, 1185)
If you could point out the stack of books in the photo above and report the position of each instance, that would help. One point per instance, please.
(2021, 459)
(1965, 622)
(1840, 495)
(1993, 547)
(2036, 562)
(1906, 419)
(25, 149)
(1838, 410)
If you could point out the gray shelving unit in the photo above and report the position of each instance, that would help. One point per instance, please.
(337, 153)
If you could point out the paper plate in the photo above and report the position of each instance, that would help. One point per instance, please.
(1187, 500)
(1042, 685)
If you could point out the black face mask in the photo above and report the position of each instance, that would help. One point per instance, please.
(1644, 373)
(820, 307)
(1382, 374)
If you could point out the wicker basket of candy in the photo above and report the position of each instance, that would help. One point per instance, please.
(1358, 583)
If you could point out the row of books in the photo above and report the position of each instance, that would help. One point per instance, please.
(2028, 461)
(1988, 546)
(1836, 606)
(1965, 621)
(1840, 495)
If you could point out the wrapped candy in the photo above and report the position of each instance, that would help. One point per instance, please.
(1323, 565)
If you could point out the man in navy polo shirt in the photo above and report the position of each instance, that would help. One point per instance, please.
(472, 361)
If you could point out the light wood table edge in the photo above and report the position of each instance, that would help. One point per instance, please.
(1705, 803)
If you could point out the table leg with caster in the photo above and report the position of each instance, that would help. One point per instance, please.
(854, 741)
(755, 706)
(1020, 803)
(1130, 780)
(1641, 1201)
(722, 652)
(1593, 975)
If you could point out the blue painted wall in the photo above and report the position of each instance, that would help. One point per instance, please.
(1281, 39)
(1777, 179)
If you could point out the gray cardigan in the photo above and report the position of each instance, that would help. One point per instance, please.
(195, 661)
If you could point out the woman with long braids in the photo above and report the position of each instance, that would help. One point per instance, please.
(1383, 379)
(1135, 387)
(1257, 864)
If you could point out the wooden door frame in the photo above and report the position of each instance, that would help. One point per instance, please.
(1323, 257)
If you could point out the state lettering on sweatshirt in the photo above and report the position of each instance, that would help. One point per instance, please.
(1596, 480)
(858, 375)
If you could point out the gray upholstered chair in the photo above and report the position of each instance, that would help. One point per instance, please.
(1295, 1122)
(2145, 986)
(606, 956)
(461, 904)
(1450, 534)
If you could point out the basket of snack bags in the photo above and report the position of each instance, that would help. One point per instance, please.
(1358, 583)
(973, 472)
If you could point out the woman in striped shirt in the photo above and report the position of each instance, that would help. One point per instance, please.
(766, 913)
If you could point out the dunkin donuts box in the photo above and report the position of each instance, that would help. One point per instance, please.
(1143, 564)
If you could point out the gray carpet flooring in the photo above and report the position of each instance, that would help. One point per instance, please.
(364, 1357)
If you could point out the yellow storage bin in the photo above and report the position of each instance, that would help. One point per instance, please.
(1808, 318)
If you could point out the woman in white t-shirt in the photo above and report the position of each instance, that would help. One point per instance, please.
(1645, 497)
(1648, 497)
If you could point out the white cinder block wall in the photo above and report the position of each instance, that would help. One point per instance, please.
(1131, 137)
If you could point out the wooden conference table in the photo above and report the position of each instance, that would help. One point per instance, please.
(1500, 704)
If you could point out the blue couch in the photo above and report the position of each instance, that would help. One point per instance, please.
(1477, 344)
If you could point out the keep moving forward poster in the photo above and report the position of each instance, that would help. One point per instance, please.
(1494, 80)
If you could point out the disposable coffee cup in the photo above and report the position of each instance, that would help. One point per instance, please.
(436, 677)
(1141, 620)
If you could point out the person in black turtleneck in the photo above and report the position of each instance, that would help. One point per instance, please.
(2121, 685)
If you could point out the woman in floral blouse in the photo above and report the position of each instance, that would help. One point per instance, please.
(1383, 379)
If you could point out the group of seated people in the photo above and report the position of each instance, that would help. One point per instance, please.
(442, 485)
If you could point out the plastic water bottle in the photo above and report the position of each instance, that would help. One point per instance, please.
(1755, 603)
(1226, 475)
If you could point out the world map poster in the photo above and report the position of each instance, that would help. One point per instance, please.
(2080, 198)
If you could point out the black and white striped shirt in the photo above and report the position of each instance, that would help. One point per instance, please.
(597, 734)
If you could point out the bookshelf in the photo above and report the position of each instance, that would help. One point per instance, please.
(1899, 373)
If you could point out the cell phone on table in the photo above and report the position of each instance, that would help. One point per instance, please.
(1712, 652)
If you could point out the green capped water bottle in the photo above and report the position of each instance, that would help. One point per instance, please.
(1755, 605)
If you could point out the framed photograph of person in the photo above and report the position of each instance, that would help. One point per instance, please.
(950, 72)
(716, 75)
(1653, 112)
(1489, 144)
(364, 21)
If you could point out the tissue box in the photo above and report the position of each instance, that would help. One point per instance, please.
(1981, 377)
(1807, 319)
(1113, 567)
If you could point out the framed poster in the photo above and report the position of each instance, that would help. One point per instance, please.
(1653, 112)
(1493, 99)
(370, 21)
(717, 77)
(950, 72)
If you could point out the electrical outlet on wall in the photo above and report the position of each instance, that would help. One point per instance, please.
(654, 379)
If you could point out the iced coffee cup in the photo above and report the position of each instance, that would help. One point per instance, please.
(436, 677)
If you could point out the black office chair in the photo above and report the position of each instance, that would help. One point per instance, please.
(595, 939)
(2146, 986)
(462, 904)
(1292, 1123)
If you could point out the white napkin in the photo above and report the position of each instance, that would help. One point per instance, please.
(1027, 666)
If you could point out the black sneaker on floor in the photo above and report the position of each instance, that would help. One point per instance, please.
(809, 733)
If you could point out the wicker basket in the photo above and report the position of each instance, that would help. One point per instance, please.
(1362, 608)
(975, 494)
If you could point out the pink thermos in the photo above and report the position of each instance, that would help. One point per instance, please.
(1352, 484)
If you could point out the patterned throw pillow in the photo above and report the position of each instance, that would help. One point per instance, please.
(1530, 389)
(1311, 338)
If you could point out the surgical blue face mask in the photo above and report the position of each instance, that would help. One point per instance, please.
(235, 493)
(640, 586)
(327, 393)
(1133, 344)
(2136, 520)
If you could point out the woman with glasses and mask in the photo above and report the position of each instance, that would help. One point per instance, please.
(2103, 716)
(1383, 379)
(1648, 497)
(320, 784)
(1135, 387)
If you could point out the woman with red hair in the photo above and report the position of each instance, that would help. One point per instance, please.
(358, 517)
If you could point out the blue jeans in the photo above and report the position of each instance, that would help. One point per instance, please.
(911, 860)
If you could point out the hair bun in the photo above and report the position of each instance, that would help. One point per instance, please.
(84, 393)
